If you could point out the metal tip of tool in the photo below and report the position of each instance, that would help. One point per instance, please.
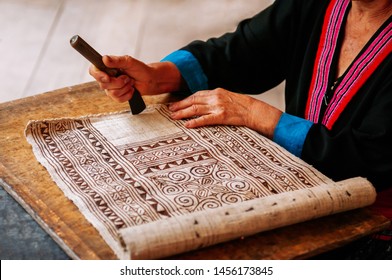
(74, 39)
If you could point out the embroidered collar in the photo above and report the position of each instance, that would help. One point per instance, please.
(375, 51)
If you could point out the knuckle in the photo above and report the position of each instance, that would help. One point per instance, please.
(127, 59)
(193, 98)
(199, 93)
(195, 109)
(221, 93)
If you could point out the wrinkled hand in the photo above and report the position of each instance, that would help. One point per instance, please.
(149, 79)
(121, 88)
(222, 107)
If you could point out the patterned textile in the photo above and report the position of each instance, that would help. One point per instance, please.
(123, 171)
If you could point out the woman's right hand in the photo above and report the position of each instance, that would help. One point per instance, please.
(149, 79)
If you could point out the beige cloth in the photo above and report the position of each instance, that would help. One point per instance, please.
(153, 188)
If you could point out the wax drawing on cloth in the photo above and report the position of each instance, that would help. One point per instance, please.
(123, 171)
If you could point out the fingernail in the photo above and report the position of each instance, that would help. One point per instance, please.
(171, 107)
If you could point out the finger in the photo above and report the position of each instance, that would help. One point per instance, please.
(122, 94)
(124, 62)
(98, 75)
(199, 98)
(194, 110)
(117, 83)
(204, 120)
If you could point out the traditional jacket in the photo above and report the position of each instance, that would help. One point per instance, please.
(341, 125)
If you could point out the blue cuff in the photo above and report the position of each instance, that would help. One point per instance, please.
(190, 69)
(291, 132)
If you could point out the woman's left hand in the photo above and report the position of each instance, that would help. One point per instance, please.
(222, 107)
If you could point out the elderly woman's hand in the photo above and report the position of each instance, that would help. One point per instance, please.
(222, 107)
(149, 79)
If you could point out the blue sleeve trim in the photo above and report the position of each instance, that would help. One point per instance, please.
(190, 69)
(291, 133)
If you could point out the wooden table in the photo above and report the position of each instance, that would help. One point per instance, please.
(30, 184)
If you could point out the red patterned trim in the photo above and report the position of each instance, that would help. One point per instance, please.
(328, 41)
(356, 76)
(363, 67)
